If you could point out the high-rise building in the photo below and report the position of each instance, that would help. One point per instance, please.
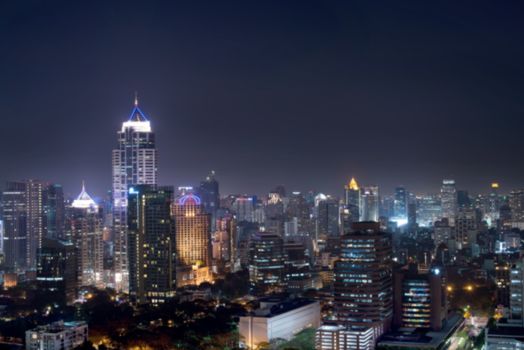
(244, 207)
(193, 240)
(467, 223)
(225, 243)
(369, 203)
(400, 203)
(502, 279)
(516, 294)
(419, 299)
(85, 223)
(363, 287)
(134, 163)
(516, 204)
(54, 212)
(448, 198)
(32, 211)
(14, 212)
(57, 268)
(327, 218)
(352, 199)
(208, 192)
(266, 263)
(152, 249)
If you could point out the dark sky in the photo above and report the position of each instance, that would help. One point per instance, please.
(266, 92)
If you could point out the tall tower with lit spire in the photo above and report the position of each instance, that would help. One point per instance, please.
(134, 163)
(352, 198)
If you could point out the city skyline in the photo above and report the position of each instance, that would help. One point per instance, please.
(342, 100)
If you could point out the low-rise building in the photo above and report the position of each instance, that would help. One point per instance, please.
(56, 336)
(278, 319)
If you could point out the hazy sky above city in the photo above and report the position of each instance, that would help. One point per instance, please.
(299, 93)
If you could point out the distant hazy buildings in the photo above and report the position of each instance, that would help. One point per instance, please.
(369, 203)
(134, 163)
(448, 197)
(152, 254)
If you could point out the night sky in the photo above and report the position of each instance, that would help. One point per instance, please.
(298, 93)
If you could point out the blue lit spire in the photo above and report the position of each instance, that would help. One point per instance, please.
(137, 115)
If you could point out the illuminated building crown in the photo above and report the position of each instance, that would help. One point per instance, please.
(353, 185)
(137, 120)
(84, 200)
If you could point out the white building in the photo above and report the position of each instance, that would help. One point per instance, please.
(56, 336)
(337, 337)
(134, 163)
(277, 319)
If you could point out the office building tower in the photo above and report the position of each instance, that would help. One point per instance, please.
(327, 218)
(412, 215)
(442, 232)
(266, 263)
(352, 199)
(85, 224)
(54, 212)
(57, 269)
(400, 203)
(428, 210)
(502, 280)
(32, 211)
(134, 163)
(14, 214)
(193, 240)
(516, 292)
(516, 204)
(35, 219)
(463, 200)
(419, 298)
(225, 243)
(467, 224)
(243, 207)
(298, 208)
(208, 192)
(448, 198)
(152, 249)
(363, 288)
(369, 203)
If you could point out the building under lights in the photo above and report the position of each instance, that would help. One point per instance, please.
(193, 241)
(420, 299)
(266, 263)
(369, 203)
(352, 199)
(151, 244)
(85, 224)
(448, 200)
(363, 290)
(134, 163)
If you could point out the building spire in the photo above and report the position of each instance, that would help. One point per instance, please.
(136, 99)
(83, 186)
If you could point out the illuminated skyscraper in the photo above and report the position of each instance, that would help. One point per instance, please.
(352, 199)
(369, 204)
(208, 192)
(193, 240)
(152, 253)
(85, 223)
(400, 203)
(15, 225)
(134, 163)
(266, 263)
(448, 198)
(363, 289)
(30, 210)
